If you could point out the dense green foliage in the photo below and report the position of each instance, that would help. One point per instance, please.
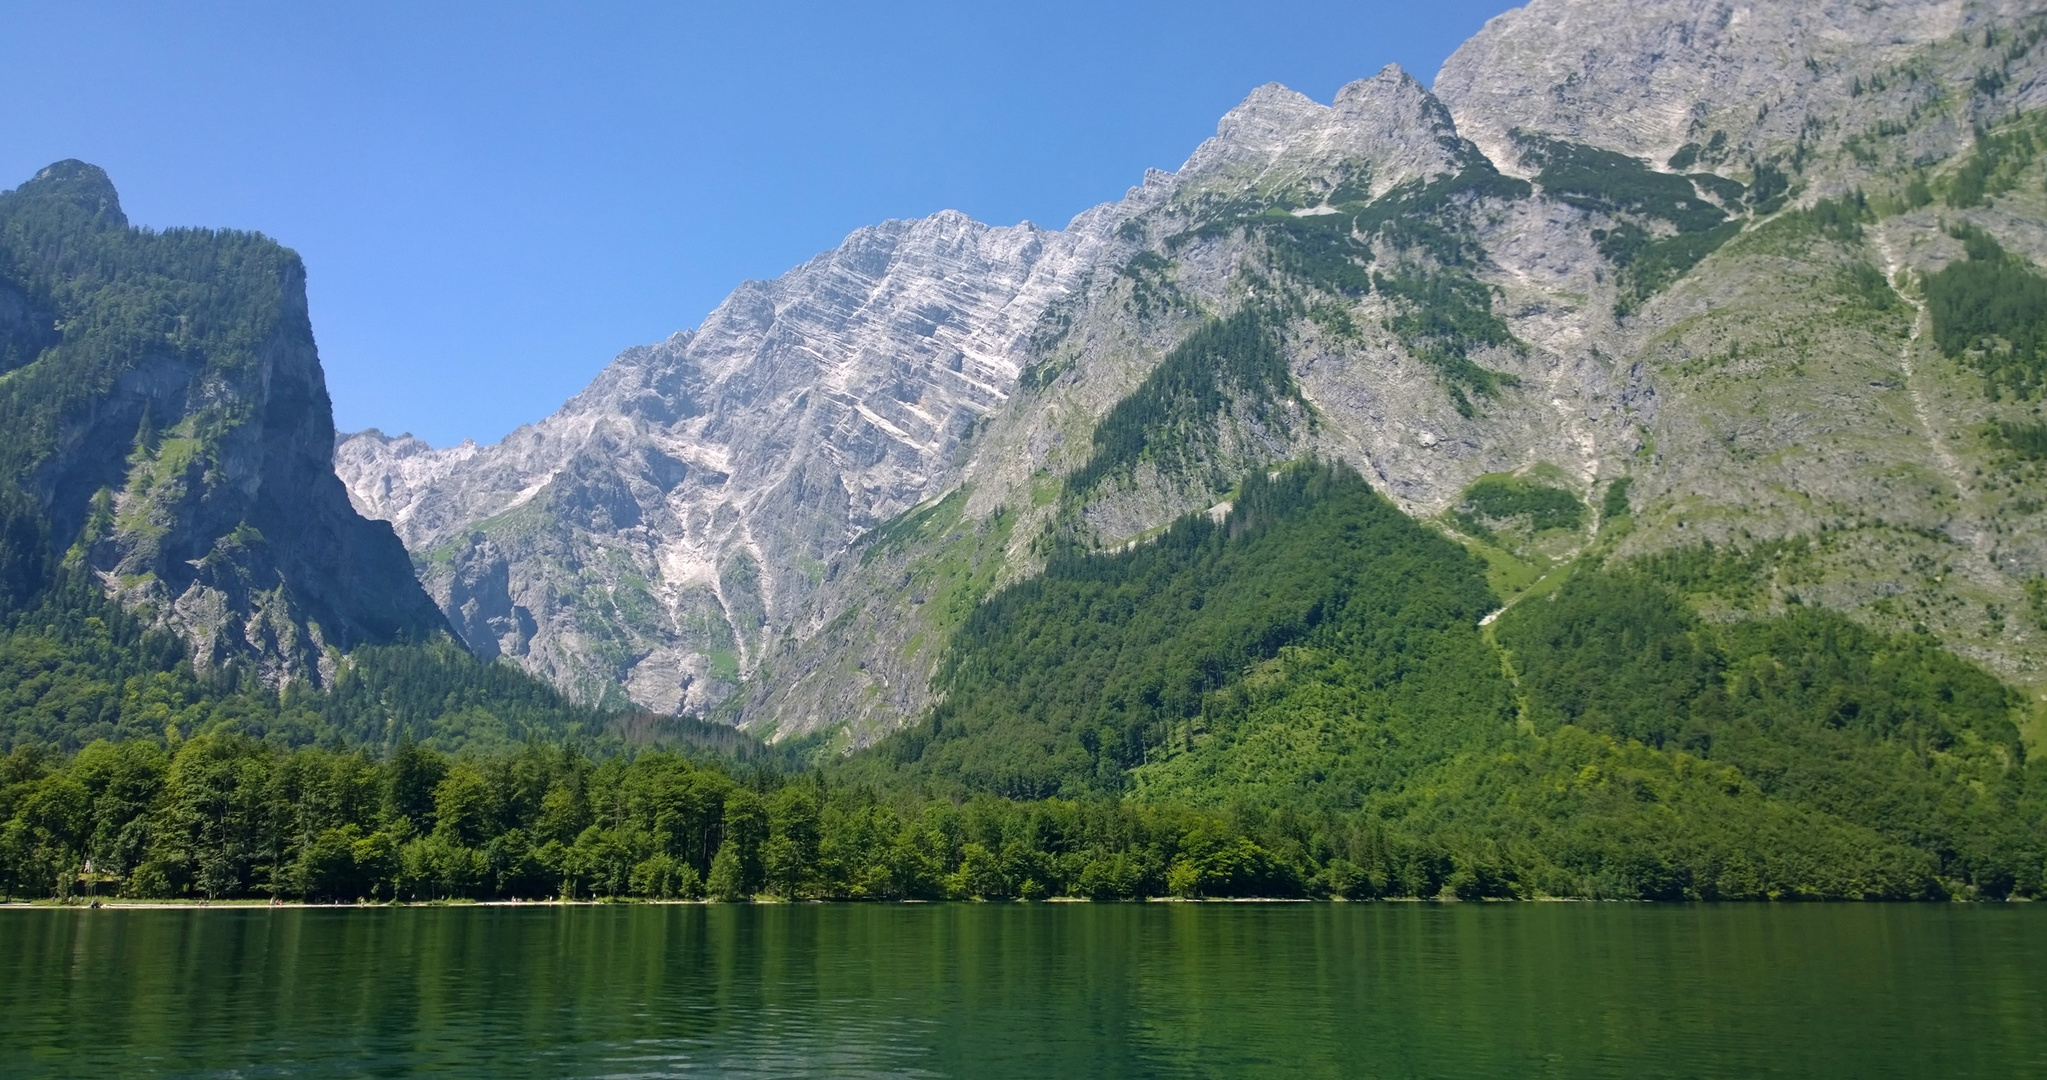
(1614, 504)
(1170, 417)
(1891, 736)
(225, 816)
(2025, 440)
(1059, 684)
(1321, 655)
(1990, 309)
(1499, 500)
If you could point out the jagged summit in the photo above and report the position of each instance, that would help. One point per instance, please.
(713, 477)
(659, 528)
(84, 185)
(1379, 132)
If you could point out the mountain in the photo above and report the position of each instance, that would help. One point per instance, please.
(659, 531)
(1637, 276)
(1736, 343)
(1618, 472)
(178, 558)
(170, 431)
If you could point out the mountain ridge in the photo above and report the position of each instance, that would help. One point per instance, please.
(1485, 289)
(394, 481)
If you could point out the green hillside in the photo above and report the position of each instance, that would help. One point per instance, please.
(1065, 682)
(1318, 652)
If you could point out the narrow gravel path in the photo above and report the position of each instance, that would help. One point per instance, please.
(1934, 437)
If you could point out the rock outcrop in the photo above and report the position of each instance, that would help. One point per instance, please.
(670, 520)
(1647, 77)
(170, 419)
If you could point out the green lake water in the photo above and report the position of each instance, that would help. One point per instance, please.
(1038, 990)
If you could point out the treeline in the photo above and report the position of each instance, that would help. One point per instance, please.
(1569, 814)
(1318, 651)
(223, 816)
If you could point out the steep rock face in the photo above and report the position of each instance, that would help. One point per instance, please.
(659, 528)
(174, 427)
(1646, 77)
(1701, 340)
(862, 655)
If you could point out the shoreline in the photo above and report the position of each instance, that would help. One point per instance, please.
(267, 905)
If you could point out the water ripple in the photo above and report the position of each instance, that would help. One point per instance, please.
(995, 991)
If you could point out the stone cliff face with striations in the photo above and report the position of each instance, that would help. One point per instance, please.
(656, 534)
(1666, 260)
(169, 423)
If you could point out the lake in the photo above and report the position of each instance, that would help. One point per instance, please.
(1029, 990)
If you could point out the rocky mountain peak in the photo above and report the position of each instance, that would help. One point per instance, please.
(1380, 132)
(652, 533)
(82, 184)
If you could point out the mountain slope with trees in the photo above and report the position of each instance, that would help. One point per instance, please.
(1614, 473)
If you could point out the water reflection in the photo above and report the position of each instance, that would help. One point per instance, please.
(1028, 990)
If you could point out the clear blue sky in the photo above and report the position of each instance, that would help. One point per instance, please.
(493, 199)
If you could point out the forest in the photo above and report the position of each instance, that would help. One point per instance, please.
(1296, 700)
(1307, 693)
